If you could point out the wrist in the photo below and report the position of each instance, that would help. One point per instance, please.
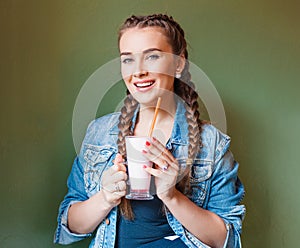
(106, 205)
(169, 197)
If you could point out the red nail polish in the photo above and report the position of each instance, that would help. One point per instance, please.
(144, 166)
(148, 143)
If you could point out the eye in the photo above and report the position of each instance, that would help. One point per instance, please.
(126, 60)
(152, 57)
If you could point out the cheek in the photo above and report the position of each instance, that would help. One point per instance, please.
(126, 77)
(126, 72)
(167, 82)
(166, 68)
(128, 85)
(161, 68)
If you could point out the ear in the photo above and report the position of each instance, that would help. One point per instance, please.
(180, 63)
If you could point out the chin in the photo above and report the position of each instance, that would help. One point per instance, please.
(145, 99)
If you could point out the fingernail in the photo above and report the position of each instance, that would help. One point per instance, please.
(144, 166)
(148, 143)
(143, 151)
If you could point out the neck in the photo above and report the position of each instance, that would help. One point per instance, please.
(167, 108)
(164, 121)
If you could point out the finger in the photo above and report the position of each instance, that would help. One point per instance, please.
(108, 181)
(122, 167)
(118, 186)
(119, 158)
(154, 149)
(122, 185)
(163, 168)
(160, 155)
(162, 161)
(107, 188)
(155, 159)
(167, 169)
(174, 165)
(115, 168)
(119, 194)
(120, 162)
(118, 167)
(153, 172)
(161, 149)
(123, 176)
(118, 176)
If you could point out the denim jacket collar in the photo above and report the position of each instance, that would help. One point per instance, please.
(179, 133)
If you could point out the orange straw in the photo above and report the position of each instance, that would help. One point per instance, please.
(155, 116)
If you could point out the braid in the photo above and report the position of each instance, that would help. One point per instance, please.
(125, 123)
(185, 88)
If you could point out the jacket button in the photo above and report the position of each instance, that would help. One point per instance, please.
(107, 221)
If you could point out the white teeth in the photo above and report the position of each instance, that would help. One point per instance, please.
(143, 84)
(147, 84)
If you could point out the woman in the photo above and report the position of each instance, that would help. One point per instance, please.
(197, 189)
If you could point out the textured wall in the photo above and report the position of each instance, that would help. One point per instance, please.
(249, 49)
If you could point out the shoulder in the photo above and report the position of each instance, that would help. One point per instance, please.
(102, 128)
(106, 121)
(214, 141)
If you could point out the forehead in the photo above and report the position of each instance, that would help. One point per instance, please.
(136, 40)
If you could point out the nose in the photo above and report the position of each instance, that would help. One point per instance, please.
(139, 74)
(139, 69)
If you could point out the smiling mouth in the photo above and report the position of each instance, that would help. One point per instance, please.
(142, 85)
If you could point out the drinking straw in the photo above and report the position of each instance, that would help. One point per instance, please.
(155, 116)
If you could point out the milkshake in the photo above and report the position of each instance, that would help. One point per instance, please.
(139, 179)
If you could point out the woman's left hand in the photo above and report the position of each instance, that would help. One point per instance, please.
(165, 169)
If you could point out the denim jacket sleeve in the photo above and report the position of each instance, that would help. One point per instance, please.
(76, 193)
(227, 192)
(84, 177)
(221, 191)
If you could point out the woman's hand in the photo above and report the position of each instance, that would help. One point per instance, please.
(113, 183)
(165, 169)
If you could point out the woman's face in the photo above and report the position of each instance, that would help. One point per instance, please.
(147, 63)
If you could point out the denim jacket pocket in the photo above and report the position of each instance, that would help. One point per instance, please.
(201, 171)
(96, 158)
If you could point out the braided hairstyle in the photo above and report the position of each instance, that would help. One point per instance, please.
(183, 87)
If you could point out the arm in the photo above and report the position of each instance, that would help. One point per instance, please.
(226, 194)
(77, 209)
(211, 229)
(85, 216)
(76, 193)
(219, 224)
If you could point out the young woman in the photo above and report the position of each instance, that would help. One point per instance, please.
(198, 193)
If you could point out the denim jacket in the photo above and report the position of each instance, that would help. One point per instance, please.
(214, 181)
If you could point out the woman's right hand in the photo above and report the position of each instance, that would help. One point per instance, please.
(113, 183)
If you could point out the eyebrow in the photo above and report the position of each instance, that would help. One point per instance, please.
(144, 52)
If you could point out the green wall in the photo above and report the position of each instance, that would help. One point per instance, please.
(249, 49)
